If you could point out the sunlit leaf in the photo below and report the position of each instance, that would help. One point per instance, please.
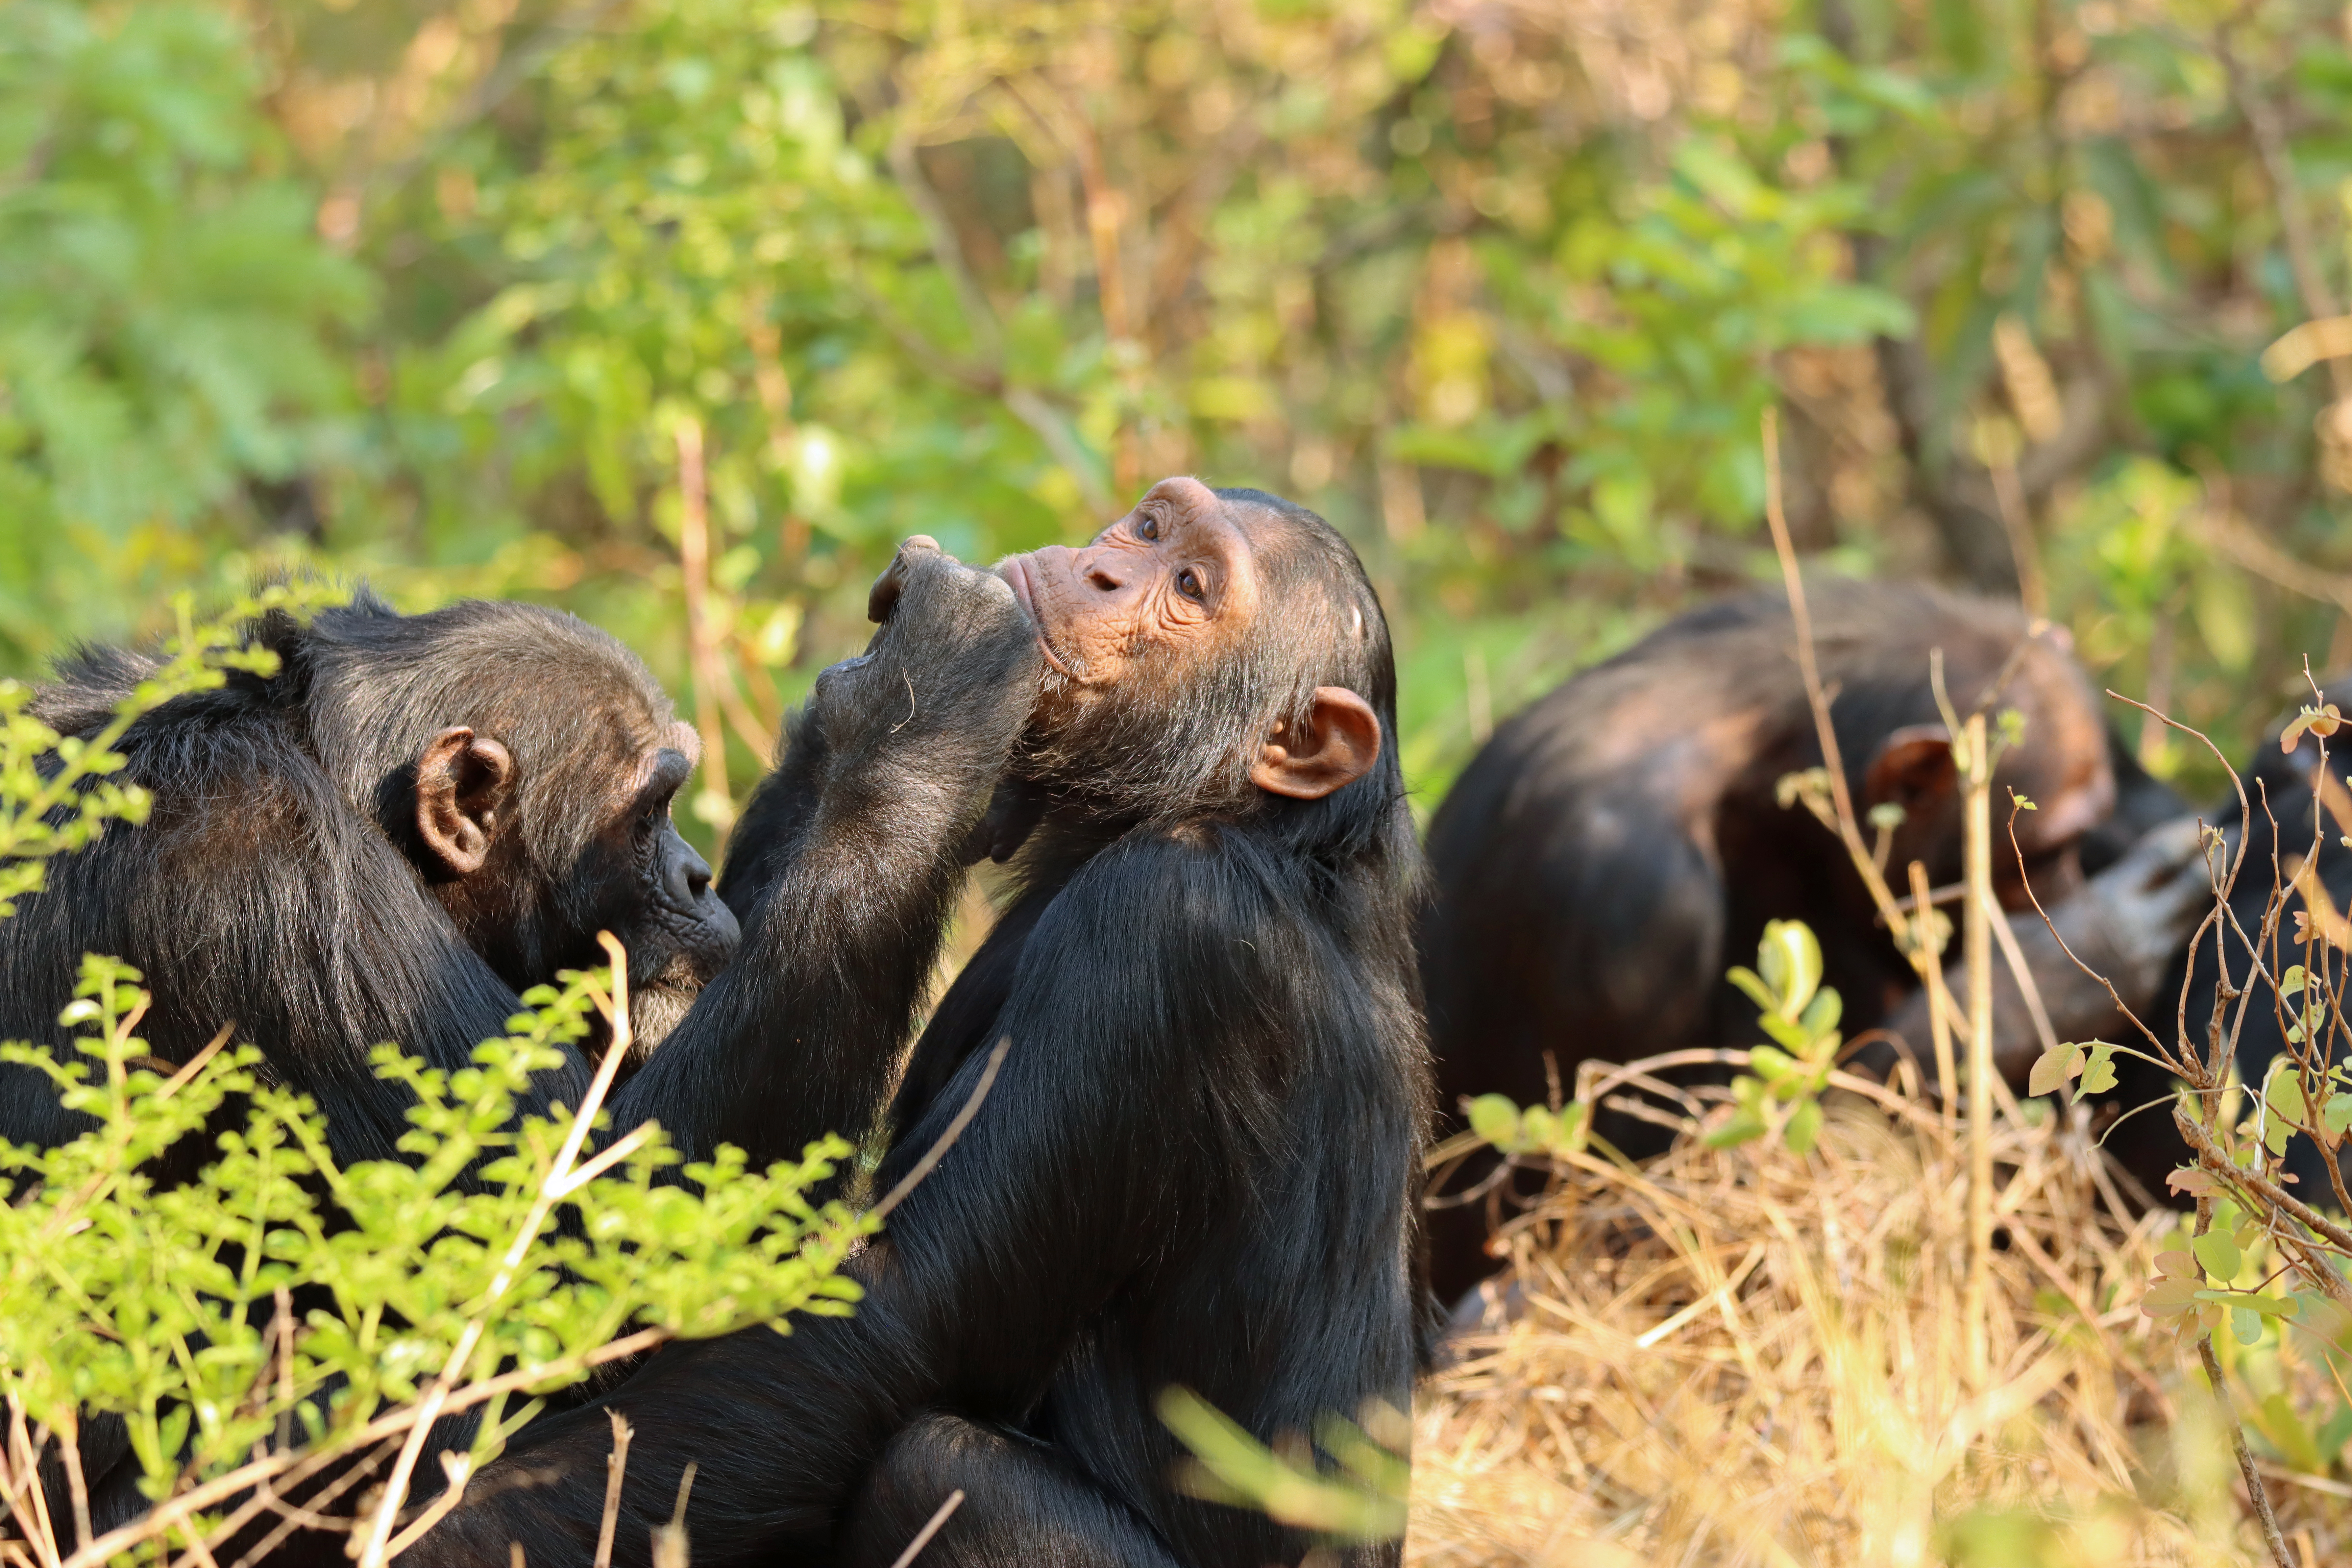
(2098, 1070)
(2219, 1254)
(2053, 1067)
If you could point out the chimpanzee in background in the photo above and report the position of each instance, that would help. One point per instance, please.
(1617, 845)
(2143, 801)
(2279, 828)
(1198, 1165)
(419, 816)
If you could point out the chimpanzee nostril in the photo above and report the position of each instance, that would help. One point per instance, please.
(688, 875)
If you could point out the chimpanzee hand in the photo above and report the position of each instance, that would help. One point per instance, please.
(2144, 906)
(883, 596)
(2120, 928)
(948, 681)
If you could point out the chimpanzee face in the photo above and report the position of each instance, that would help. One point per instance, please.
(2061, 767)
(1171, 580)
(531, 869)
(678, 932)
(1165, 609)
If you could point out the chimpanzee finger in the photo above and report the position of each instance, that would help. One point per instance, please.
(885, 589)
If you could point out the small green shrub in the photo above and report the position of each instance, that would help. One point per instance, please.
(278, 1314)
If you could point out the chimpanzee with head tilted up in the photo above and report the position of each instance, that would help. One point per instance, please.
(418, 816)
(1620, 844)
(1198, 1164)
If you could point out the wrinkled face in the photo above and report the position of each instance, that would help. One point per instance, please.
(2060, 763)
(1174, 685)
(658, 899)
(531, 910)
(1173, 581)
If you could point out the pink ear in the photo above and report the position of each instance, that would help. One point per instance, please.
(1911, 767)
(462, 782)
(1338, 745)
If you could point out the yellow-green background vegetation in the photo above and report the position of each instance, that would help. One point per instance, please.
(679, 313)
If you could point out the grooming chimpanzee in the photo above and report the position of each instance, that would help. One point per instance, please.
(1618, 845)
(2143, 801)
(417, 816)
(1198, 1164)
(2281, 824)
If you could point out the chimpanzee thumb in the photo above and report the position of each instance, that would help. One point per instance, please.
(884, 595)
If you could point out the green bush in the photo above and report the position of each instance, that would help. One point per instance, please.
(279, 1313)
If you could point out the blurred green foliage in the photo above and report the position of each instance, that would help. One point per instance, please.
(681, 313)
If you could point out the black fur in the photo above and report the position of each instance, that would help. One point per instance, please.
(2142, 801)
(1197, 1167)
(274, 884)
(1618, 845)
(2281, 824)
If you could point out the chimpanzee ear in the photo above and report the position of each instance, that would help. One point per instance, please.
(1338, 745)
(1911, 768)
(462, 782)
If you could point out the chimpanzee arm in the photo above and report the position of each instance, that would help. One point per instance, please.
(1139, 1029)
(850, 855)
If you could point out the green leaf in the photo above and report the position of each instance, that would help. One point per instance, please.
(1496, 1118)
(1364, 1502)
(1791, 960)
(2098, 1071)
(2284, 1098)
(1804, 1126)
(2219, 1254)
(2052, 1068)
(1748, 981)
(1575, 1128)
(1824, 1014)
(2246, 1325)
(2335, 1115)
(1741, 1127)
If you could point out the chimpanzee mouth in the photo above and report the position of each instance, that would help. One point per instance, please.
(1015, 572)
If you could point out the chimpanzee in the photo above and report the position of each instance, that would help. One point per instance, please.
(415, 818)
(1619, 845)
(418, 816)
(1199, 1163)
(2280, 824)
(2143, 802)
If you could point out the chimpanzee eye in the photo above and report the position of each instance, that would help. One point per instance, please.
(1188, 582)
(1148, 528)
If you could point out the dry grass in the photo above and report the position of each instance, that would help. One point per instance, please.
(1742, 1357)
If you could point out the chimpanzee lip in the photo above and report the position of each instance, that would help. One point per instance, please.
(1024, 592)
